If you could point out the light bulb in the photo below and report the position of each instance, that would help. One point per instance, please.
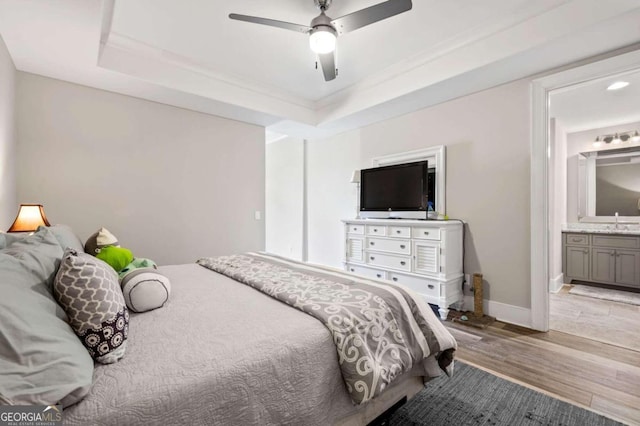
(616, 139)
(636, 137)
(322, 40)
(597, 142)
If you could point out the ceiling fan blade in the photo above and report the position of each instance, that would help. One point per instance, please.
(271, 22)
(328, 62)
(372, 14)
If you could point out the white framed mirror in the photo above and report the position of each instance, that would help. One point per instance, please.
(436, 156)
(609, 185)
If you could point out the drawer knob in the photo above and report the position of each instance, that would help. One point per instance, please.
(372, 243)
(586, 251)
(395, 278)
(430, 286)
(372, 258)
(403, 262)
(375, 230)
(397, 231)
(379, 275)
(351, 269)
(576, 240)
(355, 229)
(426, 232)
(402, 246)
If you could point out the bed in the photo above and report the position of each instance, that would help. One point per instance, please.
(221, 352)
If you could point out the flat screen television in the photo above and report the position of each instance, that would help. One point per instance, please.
(398, 189)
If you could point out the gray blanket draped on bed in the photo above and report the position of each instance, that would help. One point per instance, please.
(381, 330)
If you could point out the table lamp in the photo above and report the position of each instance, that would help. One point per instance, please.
(29, 217)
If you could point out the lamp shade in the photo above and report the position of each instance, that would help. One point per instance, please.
(29, 217)
(355, 177)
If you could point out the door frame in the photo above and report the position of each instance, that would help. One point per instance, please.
(540, 157)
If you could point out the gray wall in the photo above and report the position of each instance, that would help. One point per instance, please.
(488, 185)
(173, 185)
(8, 140)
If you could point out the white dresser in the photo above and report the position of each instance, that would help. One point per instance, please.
(425, 256)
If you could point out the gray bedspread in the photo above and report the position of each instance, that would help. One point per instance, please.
(380, 330)
(219, 353)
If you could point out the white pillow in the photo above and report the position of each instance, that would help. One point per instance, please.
(145, 289)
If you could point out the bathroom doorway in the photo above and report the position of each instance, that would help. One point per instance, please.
(594, 209)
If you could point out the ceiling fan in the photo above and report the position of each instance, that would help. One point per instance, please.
(323, 30)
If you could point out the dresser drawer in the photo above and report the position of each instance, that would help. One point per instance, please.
(577, 239)
(366, 272)
(388, 245)
(402, 263)
(400, 231)
(377, 230)
(425, 233)
(615, 241)
(419, 285)
(355, 229)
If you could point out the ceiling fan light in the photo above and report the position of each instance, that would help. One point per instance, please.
(322, 40)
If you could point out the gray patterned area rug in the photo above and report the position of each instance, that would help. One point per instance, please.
(475, 397)
(606, 294)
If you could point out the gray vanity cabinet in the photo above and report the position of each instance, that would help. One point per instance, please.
(628, 267)
(602, 258)
(603, 264)
(577, 262)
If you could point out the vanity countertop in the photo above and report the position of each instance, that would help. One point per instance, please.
(603, 228)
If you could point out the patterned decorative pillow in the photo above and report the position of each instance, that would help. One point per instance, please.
(89, 292)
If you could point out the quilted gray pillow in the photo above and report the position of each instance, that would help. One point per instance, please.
(88, 290)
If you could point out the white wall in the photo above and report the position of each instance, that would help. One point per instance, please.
(557, 201)
(285, 197)
(583, 142)
(8, 140)
(488, 161)
(173, 185)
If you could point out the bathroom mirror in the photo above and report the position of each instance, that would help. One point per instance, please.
(609, 182)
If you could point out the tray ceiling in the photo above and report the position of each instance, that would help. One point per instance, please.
(189, 53)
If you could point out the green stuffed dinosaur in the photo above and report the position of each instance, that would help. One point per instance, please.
(143, 287)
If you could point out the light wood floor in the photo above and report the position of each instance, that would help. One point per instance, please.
(606, 321)
(595, 375)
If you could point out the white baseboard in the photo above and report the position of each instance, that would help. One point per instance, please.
(556, 283)
(506, 313)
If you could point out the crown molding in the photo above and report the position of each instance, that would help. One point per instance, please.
(126, 55)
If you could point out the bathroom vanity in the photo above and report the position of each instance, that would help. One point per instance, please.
(602, 256)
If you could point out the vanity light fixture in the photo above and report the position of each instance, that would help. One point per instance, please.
(618, 85)
(617, 138)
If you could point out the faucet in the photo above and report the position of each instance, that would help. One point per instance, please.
(618, 226)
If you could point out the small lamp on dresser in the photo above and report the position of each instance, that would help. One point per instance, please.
(29, 217)
(355, 178)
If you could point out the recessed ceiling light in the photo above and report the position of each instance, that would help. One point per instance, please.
(618, 85)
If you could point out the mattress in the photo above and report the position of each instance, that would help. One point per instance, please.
(219, 352)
